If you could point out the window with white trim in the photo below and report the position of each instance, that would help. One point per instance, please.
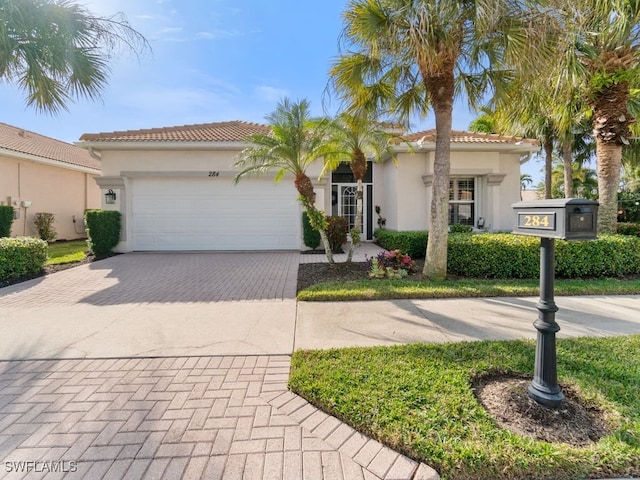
(462, 201)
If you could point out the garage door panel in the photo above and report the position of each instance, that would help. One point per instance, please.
(191, 214)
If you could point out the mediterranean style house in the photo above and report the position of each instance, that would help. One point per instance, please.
(40, 174)
(174, 187)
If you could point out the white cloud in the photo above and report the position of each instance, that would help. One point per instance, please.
(269, 94)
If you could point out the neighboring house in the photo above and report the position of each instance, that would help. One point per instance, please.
(174, 187)
(40, 174)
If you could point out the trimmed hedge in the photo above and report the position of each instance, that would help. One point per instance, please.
(628, 229)
(6, 219)
(103, 230)
(310, 236)
(412, 243)
(493, 255)
(21, 256)
(503, 255)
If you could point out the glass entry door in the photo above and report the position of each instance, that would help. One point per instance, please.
(343, 200)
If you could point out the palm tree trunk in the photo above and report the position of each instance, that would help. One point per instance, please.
(611, 120)
(304, 186)
(441, 92)
(327, 247)
(609, 156)
(548, 165)
(568, 170)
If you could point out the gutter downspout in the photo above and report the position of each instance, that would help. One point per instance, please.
(93, 154)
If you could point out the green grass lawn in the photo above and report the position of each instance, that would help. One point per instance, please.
(67, 252)
(375, 289)
(418, 399)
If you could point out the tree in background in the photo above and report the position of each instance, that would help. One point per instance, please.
(57, 50)
(405, 56)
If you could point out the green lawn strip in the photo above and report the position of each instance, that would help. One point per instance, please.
(67, 252)
(395, 289)
(418, 400)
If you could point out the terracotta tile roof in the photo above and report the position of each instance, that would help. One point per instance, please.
(458, 136)
(234, 131)
(25, 142)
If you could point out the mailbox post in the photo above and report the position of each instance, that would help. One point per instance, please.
(567, 219)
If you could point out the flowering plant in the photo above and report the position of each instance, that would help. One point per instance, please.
(393, 264)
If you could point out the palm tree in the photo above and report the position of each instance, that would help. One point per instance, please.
(583, 181)
(601, 59)
(407, 55)
(354, 139)
(57, 50)
(525, 179)
(295, 142)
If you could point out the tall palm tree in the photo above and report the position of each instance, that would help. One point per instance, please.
(354, 139)
(583, 181)
(57, 50)
(296, 141)
(602, 60)
(408, 55)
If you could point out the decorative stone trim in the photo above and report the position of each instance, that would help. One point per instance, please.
(495, 179)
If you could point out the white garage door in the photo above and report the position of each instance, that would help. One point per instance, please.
(203, 214)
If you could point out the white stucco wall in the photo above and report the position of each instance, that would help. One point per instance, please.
(122, 167)
(406, 200)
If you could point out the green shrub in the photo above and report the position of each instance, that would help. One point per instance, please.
(21, 256)
(608, 256)
(6, 219)
(412, 243)
(337, 228)
(310, 236)
(628, 229)
(103, 230)
(459, 228)
(44, 224)
(493, 255)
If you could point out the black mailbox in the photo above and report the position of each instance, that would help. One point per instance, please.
(565, 218)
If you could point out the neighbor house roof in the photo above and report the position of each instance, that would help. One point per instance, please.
(233, 131)
(458, 136)
(25, 144)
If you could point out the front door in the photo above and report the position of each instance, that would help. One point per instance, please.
(344, 205)
(343, 197)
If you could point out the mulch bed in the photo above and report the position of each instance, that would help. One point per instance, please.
(574, 423)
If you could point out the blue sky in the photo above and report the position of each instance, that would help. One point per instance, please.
(211, 60)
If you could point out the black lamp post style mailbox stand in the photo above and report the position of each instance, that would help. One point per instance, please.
(567, 219)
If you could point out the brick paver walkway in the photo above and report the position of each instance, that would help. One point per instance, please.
(223, 417)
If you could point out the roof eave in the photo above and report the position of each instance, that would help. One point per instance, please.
(520, 148)
(160, 145)
(48, 161)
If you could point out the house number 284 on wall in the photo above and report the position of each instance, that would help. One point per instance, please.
(214, 174)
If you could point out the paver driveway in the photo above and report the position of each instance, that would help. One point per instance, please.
(148, 304)
(199, 390)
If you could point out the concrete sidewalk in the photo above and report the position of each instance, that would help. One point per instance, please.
(322, 325)
(148, 367)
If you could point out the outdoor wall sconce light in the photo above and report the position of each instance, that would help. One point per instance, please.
(110, 197)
